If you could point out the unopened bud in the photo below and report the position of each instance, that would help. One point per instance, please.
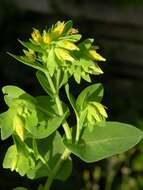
(18, 126)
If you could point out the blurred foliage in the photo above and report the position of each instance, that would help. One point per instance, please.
(124, 2)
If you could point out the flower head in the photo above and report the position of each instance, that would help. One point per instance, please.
(36, 36)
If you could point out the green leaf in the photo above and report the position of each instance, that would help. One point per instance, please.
(68, 26)
(10, 160)
(47, 105)
(91, 93)
(77, 75)
(26, 61)
(31, 46)
(6, 124)
(86, 44)
(18, 161)
(44, 82)
(72, 38)
(20, 188)
(106, 139)
(13, 92)
(64, 79)
(44, 126)
(70, 98)
(51, 62)
(51, 148)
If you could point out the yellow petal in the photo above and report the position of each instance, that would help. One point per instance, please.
(59, 28)
(101, 109)
(46, 38)
(96, 56)
(18, 126)
(68, 45)
(36, 36)
(63, 54)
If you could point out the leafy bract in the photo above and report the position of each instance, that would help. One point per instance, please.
(32, 46)
(70, 98)
(26, 61)
(51, 149)
(44, 127)
(12, 93)
(18, 161)
(91, 93)
(44, 82)
(72, 38)
(6, 124)
(106, 139)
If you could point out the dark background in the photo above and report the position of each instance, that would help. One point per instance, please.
(116, 26)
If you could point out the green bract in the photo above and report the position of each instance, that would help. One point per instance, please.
(39, 148)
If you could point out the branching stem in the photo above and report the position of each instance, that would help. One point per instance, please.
(59, 106)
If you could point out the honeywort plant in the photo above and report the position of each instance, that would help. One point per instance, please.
(39, 149)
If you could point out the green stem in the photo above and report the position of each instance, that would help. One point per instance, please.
(59, 106)
(77, 131)
(58, 166)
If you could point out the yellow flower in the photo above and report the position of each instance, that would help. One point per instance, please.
(63, 54)
(36, 36)
(95, 56)
(100, 108)
(18, 126)
(46, 38)
(68, 45)
(59, 28)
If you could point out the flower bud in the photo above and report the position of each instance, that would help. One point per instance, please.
(95, 56)
(18, 126)
(73, 31)
(30, 55)
(59, 28)
(36, 36)
(68, 45)
(46, 38)
(63, 54)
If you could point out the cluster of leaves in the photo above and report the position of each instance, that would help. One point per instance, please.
(126, 2)
(39, 149)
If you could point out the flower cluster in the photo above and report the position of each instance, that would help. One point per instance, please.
(60, 48)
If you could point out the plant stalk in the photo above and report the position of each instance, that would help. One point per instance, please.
(58, 166)
(59, 106)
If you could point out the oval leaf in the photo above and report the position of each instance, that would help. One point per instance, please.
(106, 139)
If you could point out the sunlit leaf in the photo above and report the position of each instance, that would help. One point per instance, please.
(105, 140)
